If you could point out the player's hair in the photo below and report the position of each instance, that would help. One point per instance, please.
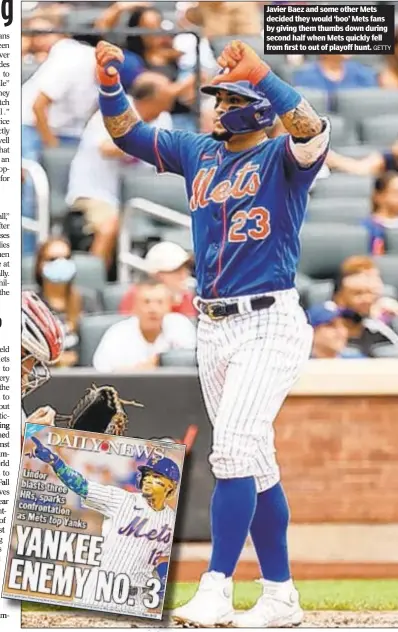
(380, 185)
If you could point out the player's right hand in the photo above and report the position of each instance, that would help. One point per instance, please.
(43, 453)
(240, 62)
(105, 54)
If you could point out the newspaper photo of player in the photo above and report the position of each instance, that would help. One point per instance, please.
(79, 537)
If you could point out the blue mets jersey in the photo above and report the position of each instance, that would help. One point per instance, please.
(247, 207)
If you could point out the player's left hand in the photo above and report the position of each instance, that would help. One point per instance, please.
(240, 63)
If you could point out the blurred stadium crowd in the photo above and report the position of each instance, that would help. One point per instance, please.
(116, 264)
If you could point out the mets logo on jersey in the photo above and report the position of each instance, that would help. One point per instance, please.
(245, 224)
(245, 182)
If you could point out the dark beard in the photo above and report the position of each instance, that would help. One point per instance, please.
(221, 136)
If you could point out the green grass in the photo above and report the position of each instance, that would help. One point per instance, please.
(315, 594)
(346, 594)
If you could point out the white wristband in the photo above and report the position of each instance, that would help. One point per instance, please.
(110, 94)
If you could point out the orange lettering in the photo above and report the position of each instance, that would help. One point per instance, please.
(253, 185)
(239, 190)
(238, 231)
(200, 187)
(221, 192)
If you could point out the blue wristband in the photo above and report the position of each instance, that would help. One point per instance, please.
(280, 94)
(114, 102)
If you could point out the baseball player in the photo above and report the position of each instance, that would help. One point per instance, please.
(248, 196)
(137, 529)
(42, 342)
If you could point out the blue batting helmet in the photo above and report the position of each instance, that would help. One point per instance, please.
(250, 118)
(166, 467)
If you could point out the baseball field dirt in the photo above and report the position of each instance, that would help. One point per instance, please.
(316, 619)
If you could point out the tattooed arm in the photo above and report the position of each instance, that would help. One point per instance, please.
(309, 134)
(165, 149)
(303, 121)
(120, 124)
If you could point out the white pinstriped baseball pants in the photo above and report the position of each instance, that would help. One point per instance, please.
(247, 365)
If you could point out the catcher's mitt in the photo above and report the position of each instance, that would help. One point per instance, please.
(99, 410)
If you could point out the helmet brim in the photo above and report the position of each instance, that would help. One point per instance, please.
(232, 88)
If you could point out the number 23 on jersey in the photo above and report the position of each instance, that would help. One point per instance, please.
(252, 224)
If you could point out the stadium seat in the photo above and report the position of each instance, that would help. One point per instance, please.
(81, 18)
(27, 271)
(255, 41)
(165, 5)
(112, 294)
(180, 236)
(165, 189)
(90, 274)
(341, 185)
(28, 70)
(341, 132)
(374, 61)
(91, 329)
(91, 303)
(317, 98)
(392, 240)
(388, 266)
(178, 358)
(56, 163)
(355, 151)
(319, 292)
(379, 131)
(385, 350)
(302, 283)
(325, 246)
(359, 104)
(340, 210)
(91, 271)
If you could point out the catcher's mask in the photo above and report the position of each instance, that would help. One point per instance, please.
(250, 118)
(164, 467)
(42, 342)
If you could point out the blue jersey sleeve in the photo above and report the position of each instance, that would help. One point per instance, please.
(166, 150)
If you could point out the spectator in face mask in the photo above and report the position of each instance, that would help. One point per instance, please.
(54, 274)
(168, 263)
